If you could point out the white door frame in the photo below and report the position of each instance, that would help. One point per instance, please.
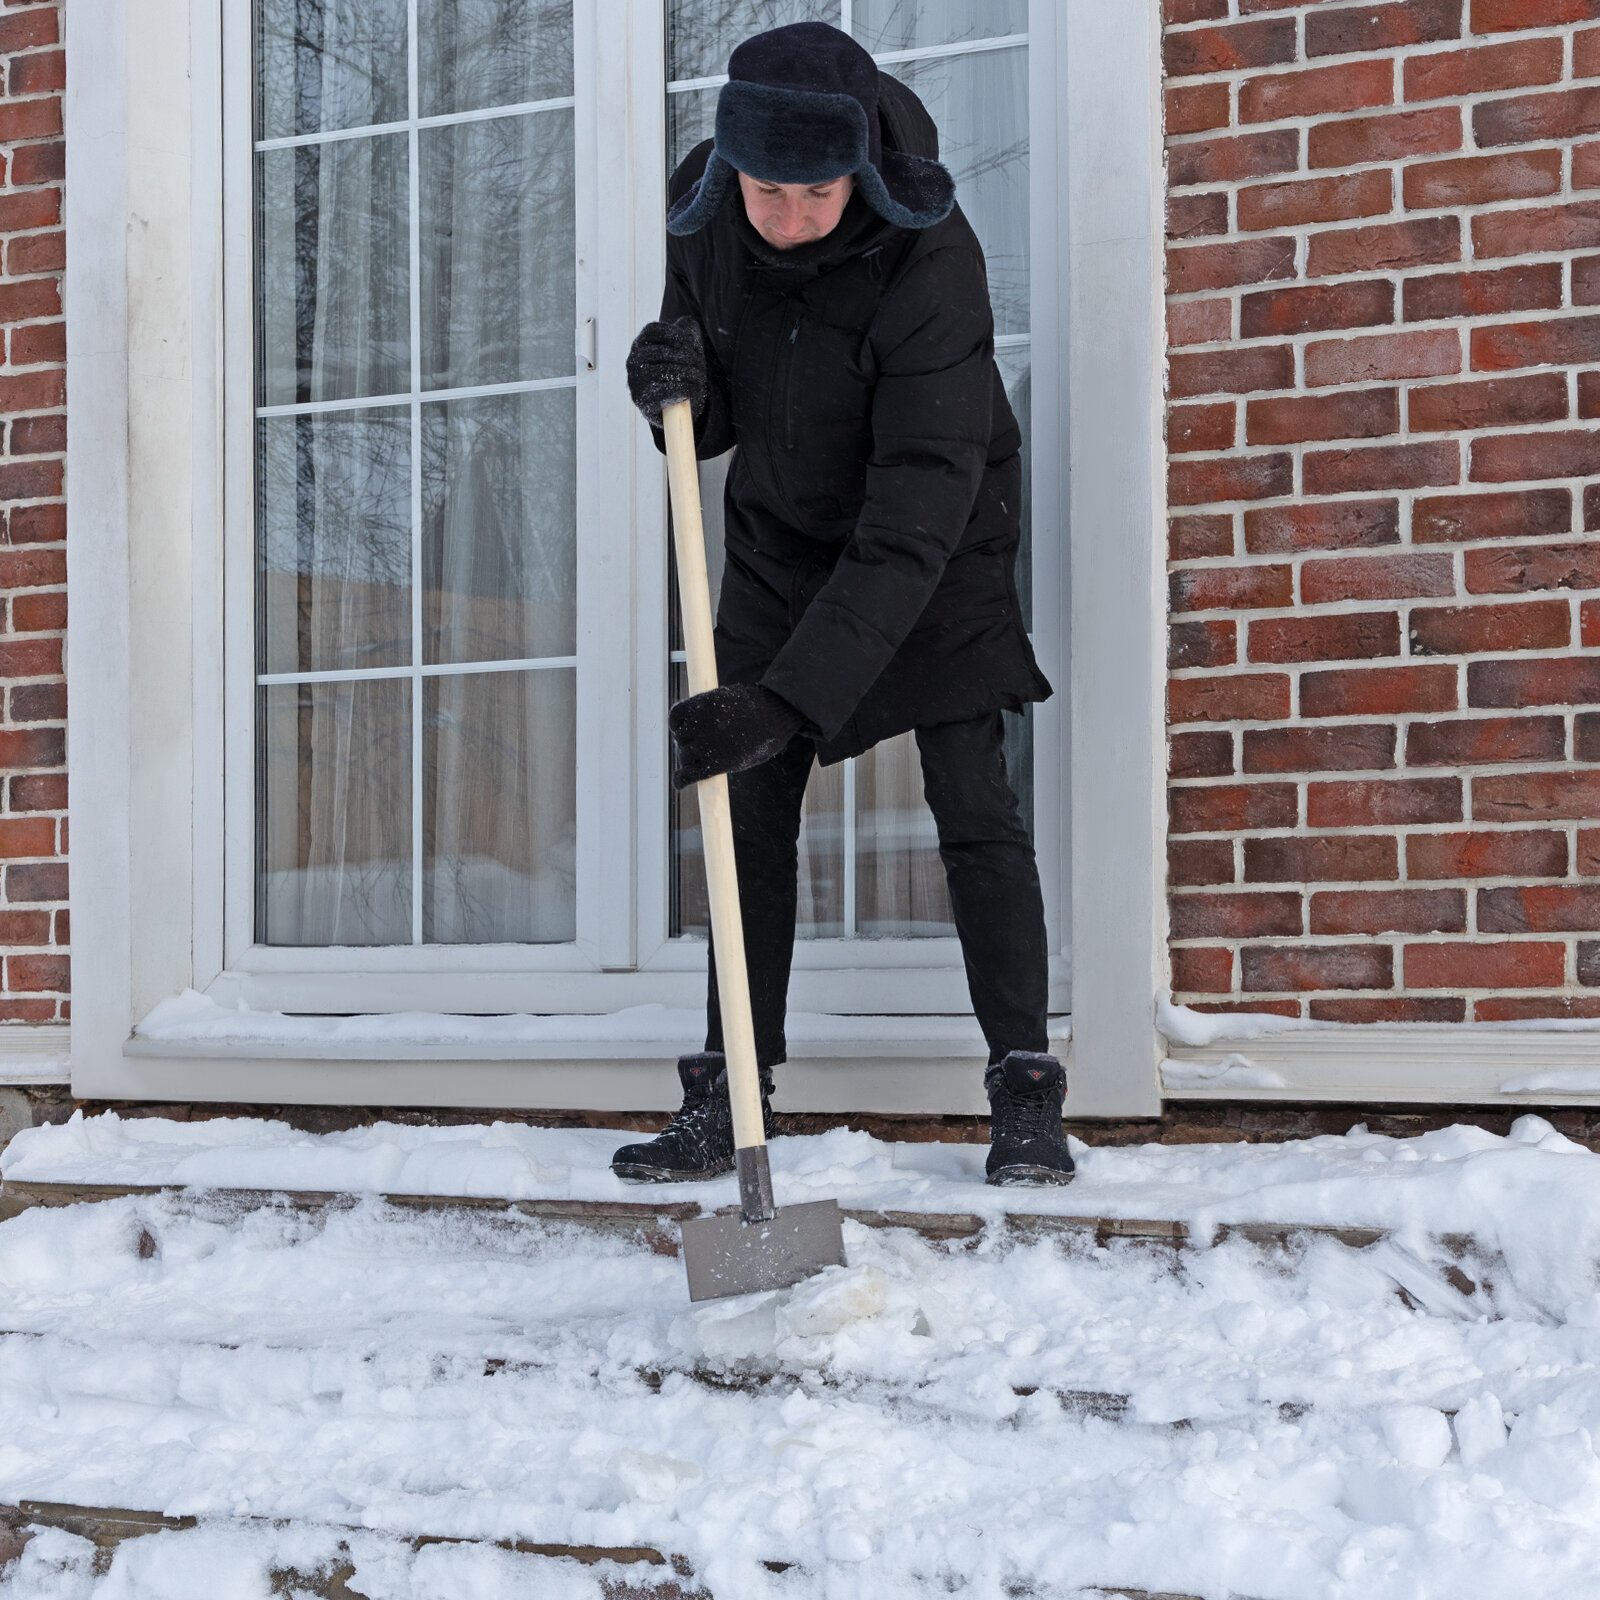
(146, 329)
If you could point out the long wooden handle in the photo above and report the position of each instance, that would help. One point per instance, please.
(716, 820)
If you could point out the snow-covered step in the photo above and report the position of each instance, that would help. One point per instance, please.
(1454, 1268)
(17, 1196)
(625, 1573)
(1194, 1408)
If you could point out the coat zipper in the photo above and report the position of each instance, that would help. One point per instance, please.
(788, 386)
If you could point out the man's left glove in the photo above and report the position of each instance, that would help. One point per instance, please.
(728, 729)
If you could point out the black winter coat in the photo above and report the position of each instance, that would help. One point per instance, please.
(872, 511)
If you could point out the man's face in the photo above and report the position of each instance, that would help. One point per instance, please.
(790, 214)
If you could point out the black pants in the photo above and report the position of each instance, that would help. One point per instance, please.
(988, 863)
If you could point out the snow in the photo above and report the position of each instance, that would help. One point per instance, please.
(1183, 1025)
(1292, 1426)
(194, 1018)
(1232, 1072)
(1575, 1080)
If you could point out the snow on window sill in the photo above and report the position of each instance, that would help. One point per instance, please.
(193, 1024)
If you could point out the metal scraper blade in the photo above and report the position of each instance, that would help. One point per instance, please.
(727, 1255)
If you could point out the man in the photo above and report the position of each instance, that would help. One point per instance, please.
(827, 313)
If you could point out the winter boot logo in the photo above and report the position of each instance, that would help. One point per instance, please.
(1036, 1073)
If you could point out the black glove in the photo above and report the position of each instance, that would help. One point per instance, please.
(667, 362)
(727, 729)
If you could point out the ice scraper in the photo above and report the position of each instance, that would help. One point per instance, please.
(761, 1247)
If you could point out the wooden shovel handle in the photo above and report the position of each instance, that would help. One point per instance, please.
(716, 820)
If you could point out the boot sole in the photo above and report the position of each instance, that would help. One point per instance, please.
(636, 1172)
(1028, 1177)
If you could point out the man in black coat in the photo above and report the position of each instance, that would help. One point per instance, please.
(827, 315)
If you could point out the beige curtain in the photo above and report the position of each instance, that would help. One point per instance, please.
(340, 534)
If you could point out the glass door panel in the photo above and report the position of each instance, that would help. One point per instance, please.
(869, 863)
(415, 472)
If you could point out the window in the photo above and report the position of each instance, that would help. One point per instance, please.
(869, 859)
(415, 460)
(446, 717)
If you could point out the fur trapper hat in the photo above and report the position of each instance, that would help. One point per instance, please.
(801, 106)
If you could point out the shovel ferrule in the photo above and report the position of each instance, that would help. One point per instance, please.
(755, 1184)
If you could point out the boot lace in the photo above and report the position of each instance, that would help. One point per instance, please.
(1029, 1116)
(694, 1126)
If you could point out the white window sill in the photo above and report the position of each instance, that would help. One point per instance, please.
(191, 1025)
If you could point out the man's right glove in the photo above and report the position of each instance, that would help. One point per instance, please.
(667, 362)
(728, 729)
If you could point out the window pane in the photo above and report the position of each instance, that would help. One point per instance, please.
(916, 24)
(471, 500)
(324, 64)
(1016, 372)
(499, 522)
(900, 888)
(333, 521)
(820, 905)
(701, 34)
(336, 813)
(980, 103)
(333, 269)
(499, 286)
(499, 808)
(1019, 761)
(819, 910)
(691, 117)
(477, 53)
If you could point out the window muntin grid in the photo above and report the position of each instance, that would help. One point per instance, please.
(862, 814)
(416, 470)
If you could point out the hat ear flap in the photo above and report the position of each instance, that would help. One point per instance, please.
(693, 210)
(909, 191)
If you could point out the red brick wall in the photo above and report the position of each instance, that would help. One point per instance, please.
(33, 596)
(1384, 386)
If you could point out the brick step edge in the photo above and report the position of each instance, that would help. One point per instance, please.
(108, 1526)
(17, 1196)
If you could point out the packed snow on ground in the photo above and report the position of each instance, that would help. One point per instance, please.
(1320, 1424)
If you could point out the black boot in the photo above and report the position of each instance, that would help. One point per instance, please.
(1027, 1144)
(698, 1142)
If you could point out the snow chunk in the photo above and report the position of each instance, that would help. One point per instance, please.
(1480, 1428)
(1417, 1436)
(831, 1300)
(1185, 1025)
(1235, 1072)
(654, 1479)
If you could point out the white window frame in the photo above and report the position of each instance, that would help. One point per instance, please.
(159, 318)
(622, 954)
